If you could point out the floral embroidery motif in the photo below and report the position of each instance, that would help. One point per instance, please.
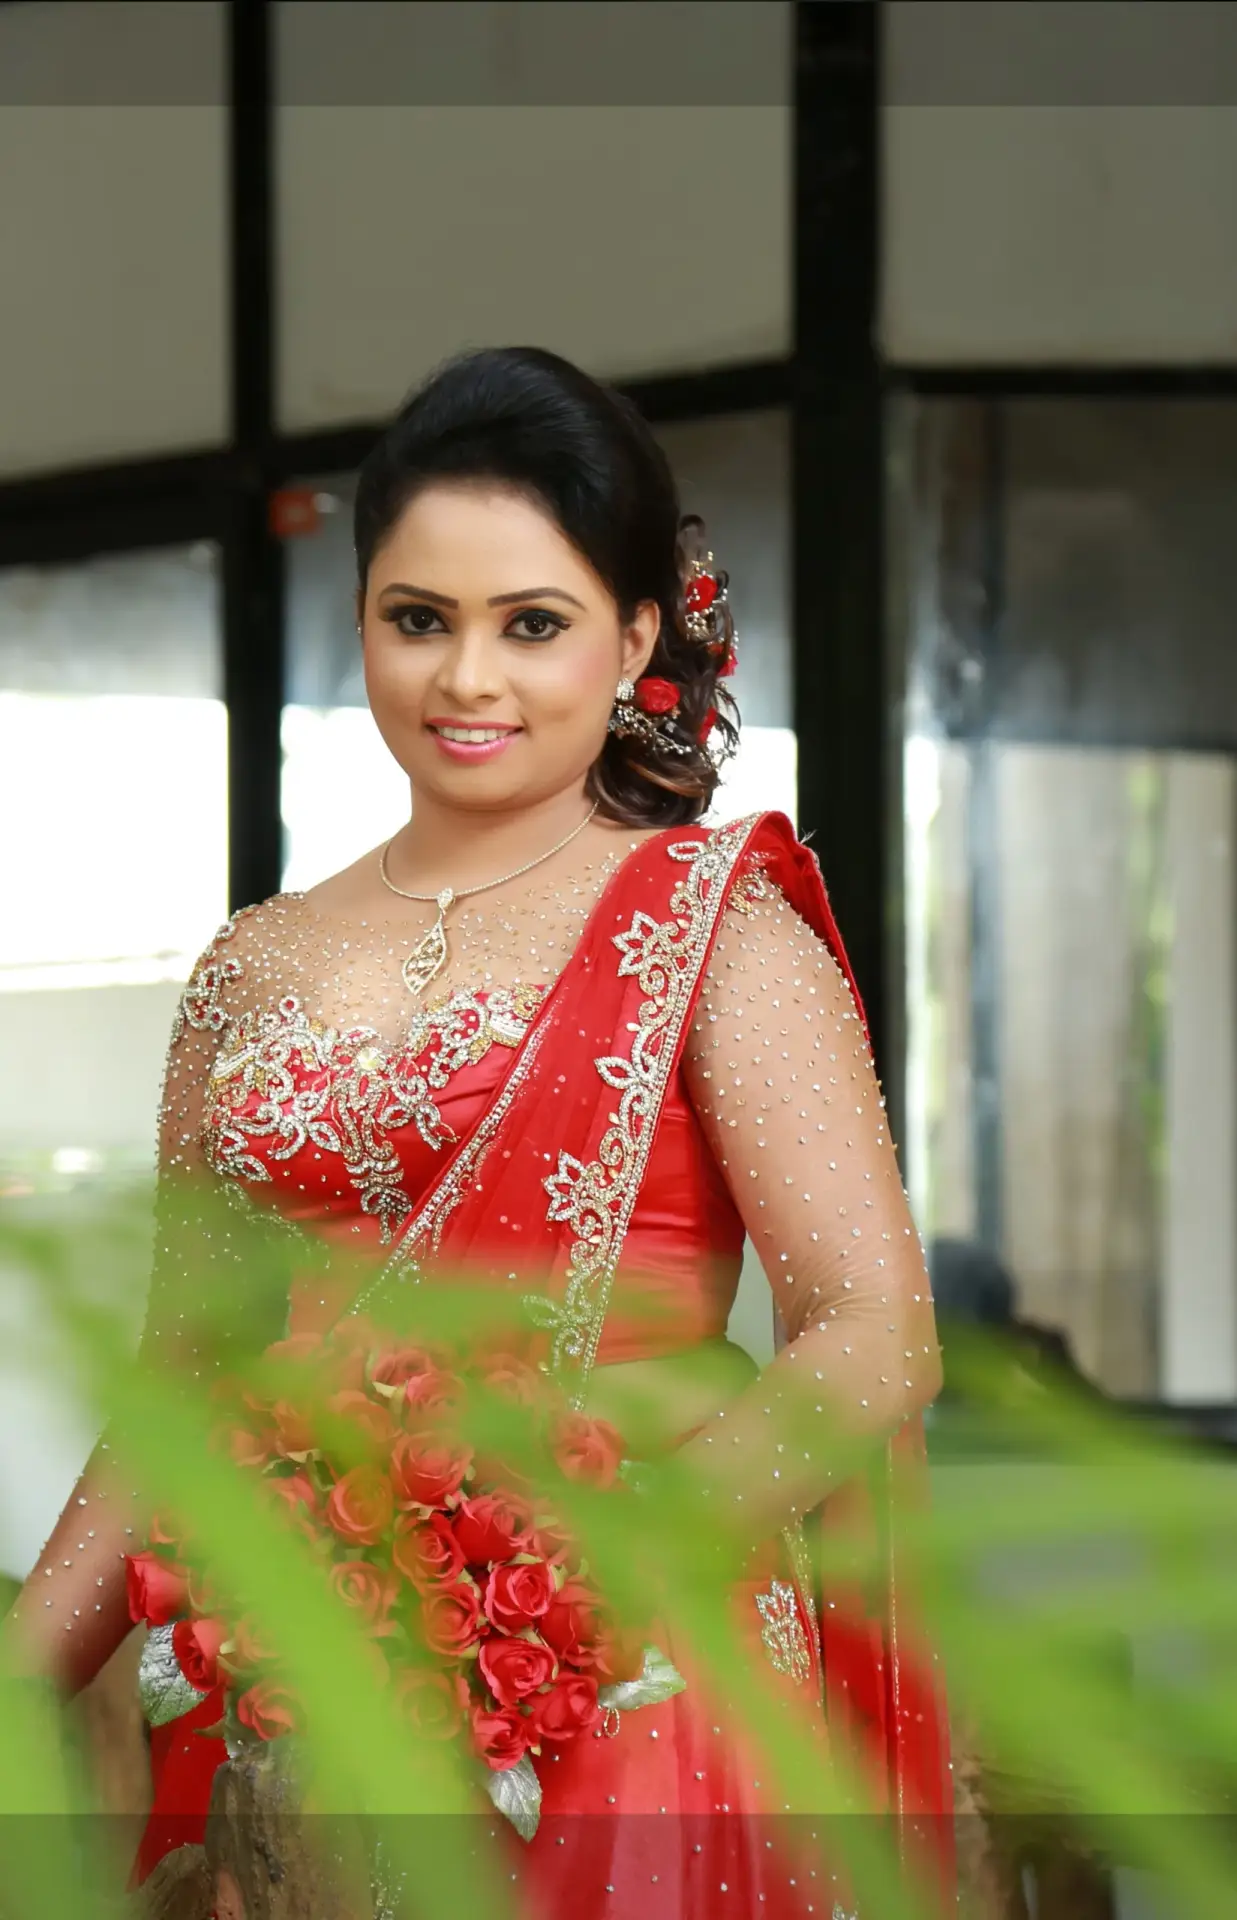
(781, 1631)
(287, 1080)
(201, 1004)
(596, 1201)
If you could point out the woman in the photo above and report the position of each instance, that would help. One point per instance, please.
(557, 1031)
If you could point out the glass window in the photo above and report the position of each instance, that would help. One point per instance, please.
(113, 866)
(1067, 574)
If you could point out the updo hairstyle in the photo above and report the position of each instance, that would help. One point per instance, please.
(582, 453)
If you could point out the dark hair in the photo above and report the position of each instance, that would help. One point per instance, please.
(534, 422)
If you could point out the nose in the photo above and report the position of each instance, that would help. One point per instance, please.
(471, 672)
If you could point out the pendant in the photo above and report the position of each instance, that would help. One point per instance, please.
(429, 956)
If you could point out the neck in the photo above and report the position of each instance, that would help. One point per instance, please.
(446, 846)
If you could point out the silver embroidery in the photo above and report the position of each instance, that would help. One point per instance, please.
(781, 1631)
(597, 1200)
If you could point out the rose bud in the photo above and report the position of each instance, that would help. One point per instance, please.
(588, 1449)
(501, 1739)
(268, 1710)
(360, 1505)
(157, 1589)
(512, 1669)
(425, 1472)
(430, 1702)
(493, 1526)
(567, 1710)
(427, 1552)
(516, 1597)
(196, 1645)
(451, 1619)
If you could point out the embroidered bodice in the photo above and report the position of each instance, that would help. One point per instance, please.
(302, 1076)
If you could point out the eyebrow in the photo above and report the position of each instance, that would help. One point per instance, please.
(496, 600)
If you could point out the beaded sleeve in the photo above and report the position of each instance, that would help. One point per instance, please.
(72, 1611)
(782, 1078)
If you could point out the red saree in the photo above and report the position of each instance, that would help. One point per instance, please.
(542, 1193)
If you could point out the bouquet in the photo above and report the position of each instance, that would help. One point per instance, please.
(476, 1606)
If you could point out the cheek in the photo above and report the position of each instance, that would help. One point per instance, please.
(396, 679)
(577, 682)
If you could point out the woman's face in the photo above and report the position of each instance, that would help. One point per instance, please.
(492, 650)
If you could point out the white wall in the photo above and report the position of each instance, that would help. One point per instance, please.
(112, 242)
(612, 182)
(1059, 182)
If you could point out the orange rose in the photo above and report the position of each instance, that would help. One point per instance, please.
(425, 1471)
(431, 1702)
(427, 1553)
(368, 1590)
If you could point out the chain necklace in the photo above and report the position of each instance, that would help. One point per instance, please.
(429, 956)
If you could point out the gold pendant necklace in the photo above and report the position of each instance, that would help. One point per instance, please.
(428, 958)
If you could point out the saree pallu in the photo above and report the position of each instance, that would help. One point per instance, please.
(537, 1199)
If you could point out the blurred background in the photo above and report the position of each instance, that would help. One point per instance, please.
(934, 309)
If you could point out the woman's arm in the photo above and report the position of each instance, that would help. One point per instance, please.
(72, 1612)
(782, 1078)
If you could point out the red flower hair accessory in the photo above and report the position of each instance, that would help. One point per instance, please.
(657, 696)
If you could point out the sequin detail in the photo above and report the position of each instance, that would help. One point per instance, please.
(360, 1091)
(596, 1200)
(781, 1632)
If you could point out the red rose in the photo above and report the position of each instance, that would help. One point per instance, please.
(250, 1447)
(368, 1590)
(516, 1597)
(494, 1526)
(701, 592)
(426, 1471)
(360, 1411)
(588, 1449)
(267, 1710)
(512, 1669)
(430, 1701)
(398, 1365)
(568, 1709)
(196, 1644)
(551, 1542)
(428, 1553)
(513, 1380)
(656, 696)
(297, 1493)
(500, 1738)
(157, 1589)
(451, 1618)
(293, 1432)
(248, 1649)
(428, 1396)
(359, 1506)
(572, 1624)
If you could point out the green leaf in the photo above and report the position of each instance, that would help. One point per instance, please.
(162, 1688)
(659, 1679)
(516, 1792)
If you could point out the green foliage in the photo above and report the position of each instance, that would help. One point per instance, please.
(1067, 1544)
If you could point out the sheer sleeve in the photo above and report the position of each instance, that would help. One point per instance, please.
(72, 1611)
(782, 1078)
